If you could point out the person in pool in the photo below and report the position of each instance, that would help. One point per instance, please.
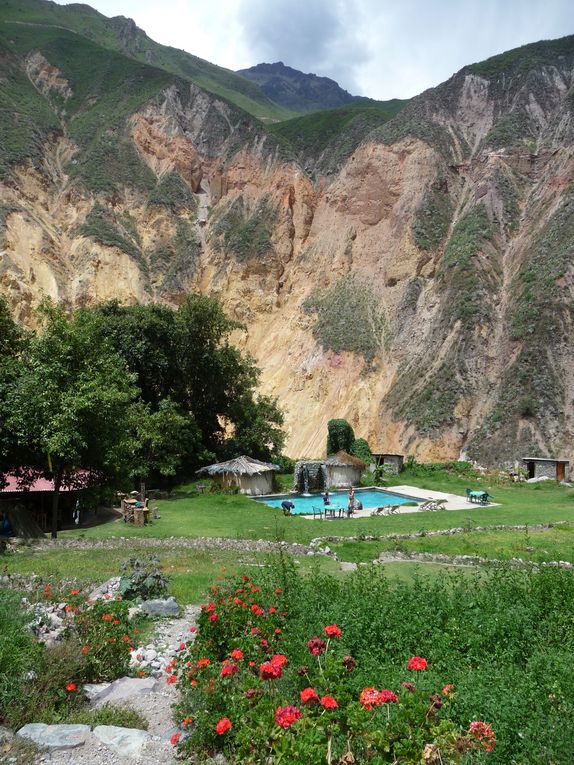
(326, 500)
(287, 506)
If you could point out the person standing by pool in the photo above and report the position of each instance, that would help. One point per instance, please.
(326, 500)
(287, 506)
(351, 503)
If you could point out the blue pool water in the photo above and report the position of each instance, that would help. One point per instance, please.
(369, 498)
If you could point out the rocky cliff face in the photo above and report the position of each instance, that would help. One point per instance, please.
(424, 291)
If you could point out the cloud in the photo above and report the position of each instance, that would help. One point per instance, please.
(377, 48)
(317, 36)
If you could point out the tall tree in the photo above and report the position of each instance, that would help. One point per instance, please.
(69, 405)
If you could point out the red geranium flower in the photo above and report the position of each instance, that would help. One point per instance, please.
(277, 590)
(211, 607)
(269, 671)
(187, 720)
(107, 618)
(229, 669)
(279, 660)
(255, 630)
(171, 679)
(203, 663)
(236, 654)
(328, 702)
(448, 689)
(182, 646)
(308, 696)
(331, 630)
(175, 739)
(286, 716)
(75, 592)
(370, 697)
(223, 726)
(483, 733)
(71, 687)
(213, 616)
(85, 649)
(387, 697)
(316, 645)
(417, 663)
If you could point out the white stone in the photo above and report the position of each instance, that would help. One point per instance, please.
(125, 688)
(55, 736)
(127, 742)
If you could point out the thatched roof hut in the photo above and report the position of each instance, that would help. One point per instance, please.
(250, 475)
(344, 470)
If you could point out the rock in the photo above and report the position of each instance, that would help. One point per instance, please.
(347, 566)
(160, 607)
(55, 736)
(93, 689)
(127, 742)
(150, 654)
(5, 734)
(124, 688)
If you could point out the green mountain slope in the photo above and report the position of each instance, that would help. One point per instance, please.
(123, 36)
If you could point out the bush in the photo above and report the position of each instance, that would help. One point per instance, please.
(143, 579)
(360, 448)
(340, 436)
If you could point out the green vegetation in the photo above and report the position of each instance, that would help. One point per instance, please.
(108, 714)
(243, 234)
(100, 225)
(118, 35)
(340, 436)
(174, 261)
(339, 130)
(412, 123)
(522, 60)
(348, 318)
(510, 130)
(506, 187)
(468, 281)
(173, 192)
(433, 217)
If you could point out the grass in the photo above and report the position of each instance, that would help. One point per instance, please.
(108, 714)
(555, 544)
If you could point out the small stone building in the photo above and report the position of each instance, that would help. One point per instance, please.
(392, 463)
(543, 467)
(250, 475)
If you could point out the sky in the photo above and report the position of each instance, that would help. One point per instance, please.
(377, 48)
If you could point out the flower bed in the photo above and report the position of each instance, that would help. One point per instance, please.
(245, 692)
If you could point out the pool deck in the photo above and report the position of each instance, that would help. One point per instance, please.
(453, 501)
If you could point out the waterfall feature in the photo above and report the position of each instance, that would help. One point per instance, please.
(310, 476)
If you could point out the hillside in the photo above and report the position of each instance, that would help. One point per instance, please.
(412, 273)
(298, 91)
(121, 35)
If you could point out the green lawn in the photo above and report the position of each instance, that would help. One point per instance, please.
(240, 517)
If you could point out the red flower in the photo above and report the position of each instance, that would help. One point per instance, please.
(171, 679)
(255, 630)
(448, 689)
(182, 646)
(107, 618)
(286, 716)
(229, 669)
(175, 739)
(370, 697)
(211, 607)
(69, 608)
(483, 733)
(316, 645)
(237, 601)
(75, 592)
(193, 629)
(71, 687)
(187, 720)
(272, 610)
(417, 663)
(116, 622)
(85, 649)
(308, 696)
(331, 630)
(245, 578)
(279, 660)
(223, 726)
(236, 654)
(203, 663)
(213, 617)
(269, 671)
(387, 697)
(328, 702)
(278, 590)
(278, 631)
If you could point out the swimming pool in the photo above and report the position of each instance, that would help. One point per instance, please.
(369, 498)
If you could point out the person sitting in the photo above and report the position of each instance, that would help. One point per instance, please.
(287, 506)
(326, 500)
(358, 504)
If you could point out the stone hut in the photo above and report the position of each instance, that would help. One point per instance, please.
(343, 470)
(250, 475)
(392, 463)
(543, 467)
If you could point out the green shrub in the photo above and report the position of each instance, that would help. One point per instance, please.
(106, 637)
(108, 714)
(143, 578)
(340, 436)
(173, 192)
(348, 318)
(360, 448)
(100, 225)
(433, 217)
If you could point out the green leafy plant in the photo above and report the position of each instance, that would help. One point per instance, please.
(143, 578)
(340, 436)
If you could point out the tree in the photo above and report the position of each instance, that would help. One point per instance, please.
(360, 448)
(257, 432)
(340, 436)
(69, 405)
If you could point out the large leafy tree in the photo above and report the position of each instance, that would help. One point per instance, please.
(12, 342)
(68, 405)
